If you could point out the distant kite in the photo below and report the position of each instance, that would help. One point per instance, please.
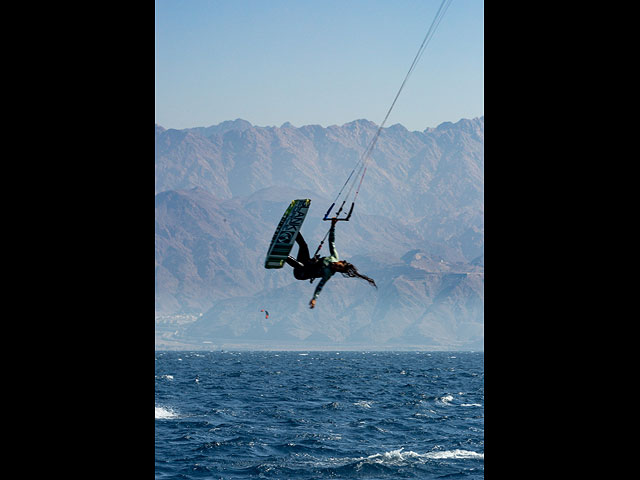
(266, 314)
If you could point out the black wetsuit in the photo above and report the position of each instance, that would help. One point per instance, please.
(305, 267)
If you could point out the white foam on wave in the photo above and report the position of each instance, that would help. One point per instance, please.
(457, 453)
(446, 399)
(164, 413)
(400, 458)
(395, 457)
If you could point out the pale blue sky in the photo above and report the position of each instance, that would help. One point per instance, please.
(324, 62)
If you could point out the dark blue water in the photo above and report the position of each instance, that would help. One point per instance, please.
(297, 415)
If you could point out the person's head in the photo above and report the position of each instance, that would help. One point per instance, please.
(349, 270)
(340, 266)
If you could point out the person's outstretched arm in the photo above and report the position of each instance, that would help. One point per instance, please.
(317, 291)
(332, 241)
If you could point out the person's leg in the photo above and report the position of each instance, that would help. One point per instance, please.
(301, 263)
(293, 262)
(303, 250)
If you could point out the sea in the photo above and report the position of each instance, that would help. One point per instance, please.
(315, 415)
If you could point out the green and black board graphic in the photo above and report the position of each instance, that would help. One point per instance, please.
(285, 235)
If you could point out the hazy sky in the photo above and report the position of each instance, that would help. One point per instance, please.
(325, 62)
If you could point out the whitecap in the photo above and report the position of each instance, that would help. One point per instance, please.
(446, 399)
(397, 457)
(163, 413)
(454, 454)
(363, 404)
(470, 405)
(394, 456)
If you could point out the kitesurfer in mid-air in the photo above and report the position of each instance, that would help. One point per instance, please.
(305, 267)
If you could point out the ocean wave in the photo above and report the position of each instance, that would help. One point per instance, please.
(397, 457)
(382, 465)
(455, 454)
(445, 399)
(163, 413)
(387, 463)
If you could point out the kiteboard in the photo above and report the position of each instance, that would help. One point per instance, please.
(285, 235)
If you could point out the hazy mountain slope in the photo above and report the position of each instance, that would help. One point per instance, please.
(418, 230)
